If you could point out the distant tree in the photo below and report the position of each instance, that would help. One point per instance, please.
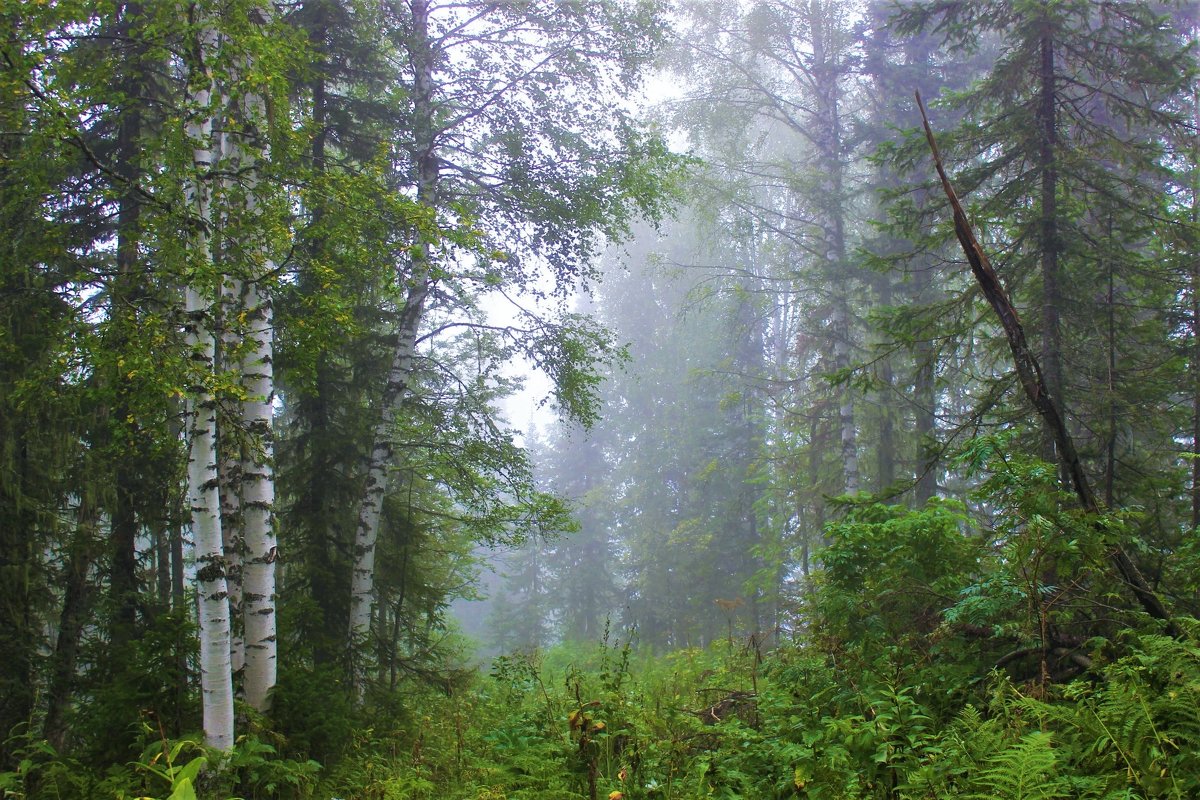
(910, 283)
(773, 93)
(665, 485)
(82, 136)
(582, 564)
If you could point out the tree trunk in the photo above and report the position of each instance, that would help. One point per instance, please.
(815, 536)
(215, 666)
(399, 381)
(1051, 349)
(1033, 383)
(258, 505)
(257, 468)
(1195, 370)
(176, 517)
(1110, 444)
(371, 507)
(126, 297)
(232, 538)
(76, 599)
(1195, 287)
(203, 496)
(833, 228)
(162, 547)
(885, 448)
(314, 510)
(123, 581)
(18, 565)
(925, 391)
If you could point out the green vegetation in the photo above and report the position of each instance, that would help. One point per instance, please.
(917, 673)
(806, 504)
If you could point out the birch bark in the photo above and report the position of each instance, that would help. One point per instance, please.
(399, 381)
(216, 681)
(258, 503)
(230, 472)
(257, 471)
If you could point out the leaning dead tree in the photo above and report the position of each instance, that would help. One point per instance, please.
(1029, 372)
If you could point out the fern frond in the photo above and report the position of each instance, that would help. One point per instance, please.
(1026, 770)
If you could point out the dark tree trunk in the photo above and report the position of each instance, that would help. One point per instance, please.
(1110, 445)
(1195, 369)
(77, 596)
(1051, 349)
(17, 635)
(162, 546)
(1033, 383)
(314, 508)
(127, 294)
(1195, 276)
(885, 451)
(829, 138)
(925, 391)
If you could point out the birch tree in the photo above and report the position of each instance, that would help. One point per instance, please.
(202, 94)
(256, 469)
(516, 138)
(421, 54)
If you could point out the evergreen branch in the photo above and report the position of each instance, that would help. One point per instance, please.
(81, 144)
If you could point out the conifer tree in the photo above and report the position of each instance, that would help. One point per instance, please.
(1061, 147)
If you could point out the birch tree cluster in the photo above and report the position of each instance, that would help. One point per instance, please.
(267, 270)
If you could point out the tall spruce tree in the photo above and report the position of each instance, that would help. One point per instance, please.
(1062, 159)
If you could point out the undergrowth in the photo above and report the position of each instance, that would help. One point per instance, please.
(933, 663)
(725, 722)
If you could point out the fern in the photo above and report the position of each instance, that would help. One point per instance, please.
(1133, 732)
(1151, 708)
(1027, 770)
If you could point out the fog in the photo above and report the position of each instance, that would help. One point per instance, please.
(797, 335)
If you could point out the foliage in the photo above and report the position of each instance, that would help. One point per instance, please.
(793, 337)
(591, 721)
(571, 723)
(182, 769)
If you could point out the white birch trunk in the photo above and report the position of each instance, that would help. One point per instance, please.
(399, 382)
(257, 410)
(362, 585)
(216, 681)
(230, 466)
(231, 538)
(258, 503)
(215, 667)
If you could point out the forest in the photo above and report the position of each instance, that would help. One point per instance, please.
(627, 399)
